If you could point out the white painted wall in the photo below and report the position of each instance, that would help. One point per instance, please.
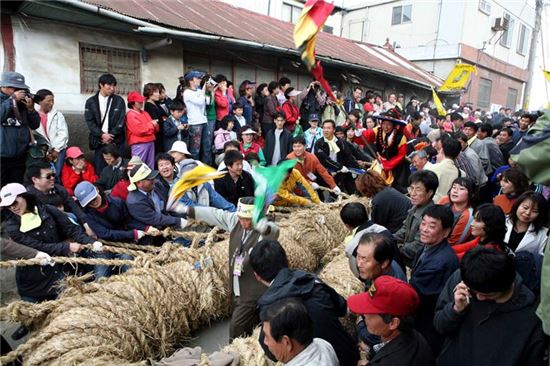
(47, 54)
(445, 23)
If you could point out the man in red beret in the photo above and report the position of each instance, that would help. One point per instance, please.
(386, 308)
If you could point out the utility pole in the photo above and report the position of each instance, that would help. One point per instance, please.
(532, 54)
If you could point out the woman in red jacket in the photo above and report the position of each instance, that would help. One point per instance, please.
(141, 129)
(488, 228)
(76, 169)
(292, 113)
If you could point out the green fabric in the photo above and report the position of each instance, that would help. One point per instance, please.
(267, 181)
(543, 310)
(534, 158)
(211, 109)
(298, 131)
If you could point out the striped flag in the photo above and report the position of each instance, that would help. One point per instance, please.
(312, 19)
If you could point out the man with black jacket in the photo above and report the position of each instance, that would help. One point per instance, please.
(105, 113)
(270, 264)
(278, 141)
(18, 117)
(487, 315)
(336, 157)
(236, 183)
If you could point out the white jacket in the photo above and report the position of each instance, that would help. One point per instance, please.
(532, 241)
(196, 104)
(58, 132)
(318, 353)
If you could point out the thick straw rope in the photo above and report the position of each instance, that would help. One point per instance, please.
(147, 311)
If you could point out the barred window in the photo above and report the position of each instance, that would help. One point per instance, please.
(98, 60)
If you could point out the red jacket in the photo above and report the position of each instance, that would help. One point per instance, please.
(120, 189)
(223, 102)
(292, 113)
(140, 127)
(389, 164)
(70, 178)
(462, 249)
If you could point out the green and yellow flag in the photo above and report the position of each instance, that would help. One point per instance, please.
(458, 77)
(192, 178)
(546, 75)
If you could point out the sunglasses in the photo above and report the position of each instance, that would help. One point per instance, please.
(49, 176)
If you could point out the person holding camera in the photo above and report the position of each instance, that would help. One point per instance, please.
(17, 118)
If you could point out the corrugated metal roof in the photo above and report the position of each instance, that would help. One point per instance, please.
(222, 19)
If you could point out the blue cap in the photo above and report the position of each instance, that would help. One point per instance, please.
(85, 193)
(313, 117)
(193, 74)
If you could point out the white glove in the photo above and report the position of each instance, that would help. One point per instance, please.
(152, 231)
(140, 234)
(45, 259)
(357, 133)
(344, 170)
(262, 226)
(179, 208)
(314, 185)
(183, 223)
(97, 246)
(337, 190)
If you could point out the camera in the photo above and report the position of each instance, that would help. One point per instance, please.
(27, 93)
(211, 82)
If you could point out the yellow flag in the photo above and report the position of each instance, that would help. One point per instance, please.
(458, 77)
(192, 178)
(546, 75)
(438, 105)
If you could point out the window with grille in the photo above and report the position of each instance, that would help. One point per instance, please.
(485, 6)
(291, 13)
(484, 93)
(98, 60)
(512, 98)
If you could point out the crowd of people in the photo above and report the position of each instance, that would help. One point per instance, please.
(450, 208)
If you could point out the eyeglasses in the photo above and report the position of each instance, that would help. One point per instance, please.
(49, 176)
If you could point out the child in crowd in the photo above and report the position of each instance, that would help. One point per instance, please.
(224, 133)
(314, 132)
(175, 128)
(238, 111)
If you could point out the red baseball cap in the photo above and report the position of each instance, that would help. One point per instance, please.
(74, 152)
(135, 96)
(386, 295)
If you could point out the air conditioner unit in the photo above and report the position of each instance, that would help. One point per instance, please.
(501, 24)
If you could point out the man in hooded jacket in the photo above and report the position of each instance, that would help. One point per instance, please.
(270, 264)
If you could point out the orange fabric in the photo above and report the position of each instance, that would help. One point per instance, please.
(462, 249)
(312, 165)
(460, 225)
(139, 127)
(504, 202)
(70, 178)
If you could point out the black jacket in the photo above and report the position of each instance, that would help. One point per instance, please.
(117, 116)
(324, 306)
(114, 223)
(58, 197)
(487, 333)
(111, 175)
(285, 145)
(408, 349)
(231, 190)
(343, 158)
(390, 208)
(51, 237)
(14, 132)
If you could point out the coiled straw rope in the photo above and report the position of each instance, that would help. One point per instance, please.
(150, 309)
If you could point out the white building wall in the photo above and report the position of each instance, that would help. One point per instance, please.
(47, 54)
(443, 25)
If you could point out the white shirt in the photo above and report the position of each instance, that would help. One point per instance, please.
(196, 104)
(277, 150)
(102, 110)
(318, 353)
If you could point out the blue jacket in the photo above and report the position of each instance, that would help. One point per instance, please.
(113, 224)
(142, 209)
(247, 109)
(14, 133)
(171, 132)
(206, 196)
